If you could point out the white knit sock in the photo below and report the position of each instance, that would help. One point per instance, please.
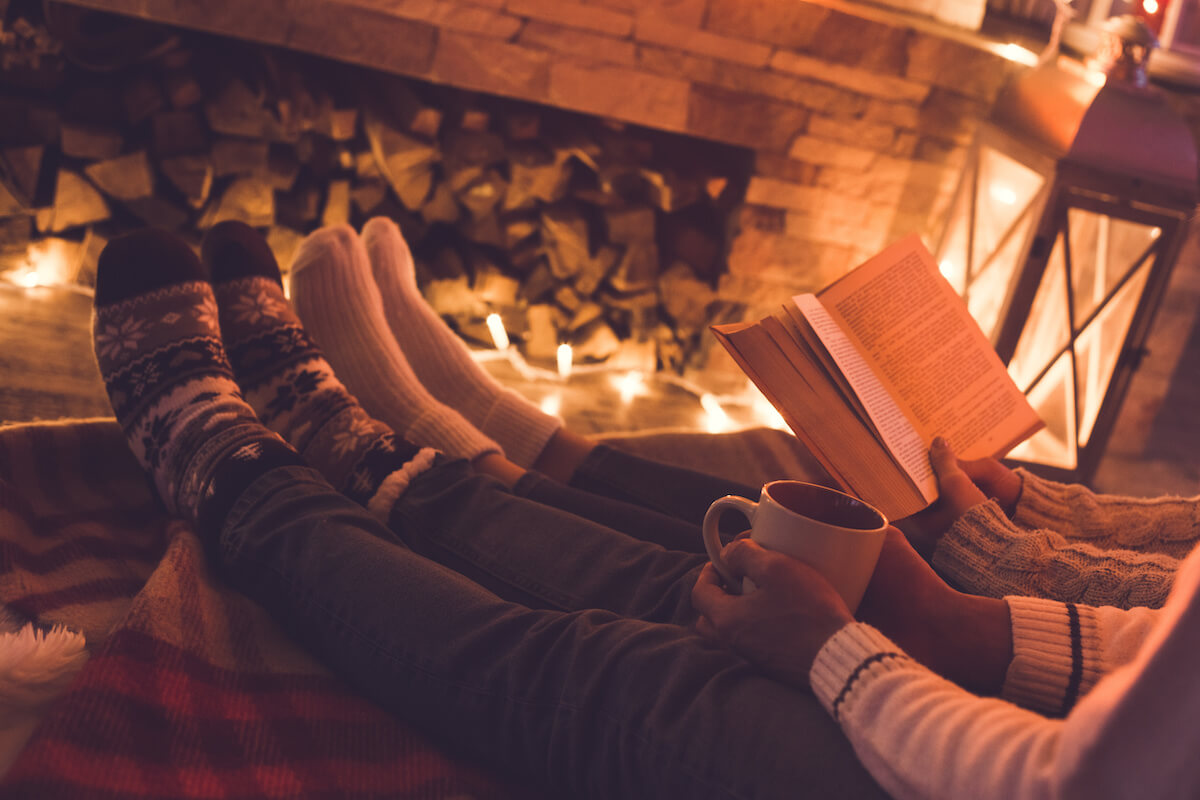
(335, 297)
(441, 359)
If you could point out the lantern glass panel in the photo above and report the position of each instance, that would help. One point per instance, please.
(988, 289)
(1103, 251)
(953, 255)
(1053, 398)
(1099, 346)
(1047, 330)
(1004, 189)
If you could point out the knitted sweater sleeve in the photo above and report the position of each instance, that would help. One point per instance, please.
(984, 553)
(920, 736)
(1061, 650)
(1167, 525)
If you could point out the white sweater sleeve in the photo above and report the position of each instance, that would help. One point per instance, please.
(920, 736)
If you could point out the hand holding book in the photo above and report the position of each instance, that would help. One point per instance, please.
(868, 371)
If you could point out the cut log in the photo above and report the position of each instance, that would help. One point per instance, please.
(191, 175)
(685, 298)
(76, 202)
(298, 208)
(541, 335)
(368, 194)
(284, 242)
(282, 167)
(91, 141)
(629, 225)
(142, 99)
(481, 196)
(182, 89)
(595, 342)
(15, 235)
(337, 204)
(179, 133)
(237, 156)
(535, 179)
(20, 176)
(405, 162)
(157, 212)
(565, 238)
(595, 269)
(250, 200)
(475, 120)
(495, 288)
(638, 269)
(125, 178)
(441, 205)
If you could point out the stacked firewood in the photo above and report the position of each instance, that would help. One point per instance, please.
(572, 229)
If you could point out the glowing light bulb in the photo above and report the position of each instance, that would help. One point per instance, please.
(496, 329)
(1155, 233)
(1003, 194)
(551, 404)
(564, 360)
(1016, 53)
(1095, 78)
(715, 418)
(630, 385)
(1150, 6)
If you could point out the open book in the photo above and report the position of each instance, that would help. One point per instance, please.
(870, 369)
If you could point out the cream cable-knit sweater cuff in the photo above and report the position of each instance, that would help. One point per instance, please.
(855, 653)
(967, 552)
(1056, 654)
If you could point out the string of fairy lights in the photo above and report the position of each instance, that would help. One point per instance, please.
(48, 264)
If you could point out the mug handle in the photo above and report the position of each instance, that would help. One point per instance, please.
(712, 539)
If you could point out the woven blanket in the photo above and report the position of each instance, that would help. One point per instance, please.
(191, 691)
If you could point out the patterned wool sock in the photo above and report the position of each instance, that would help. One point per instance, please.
(290, 384)
(332, 291)
(170, 384)
(441, 359)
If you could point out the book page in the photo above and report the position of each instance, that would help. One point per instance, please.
(916, 331)
(910, 449)
(790, 375)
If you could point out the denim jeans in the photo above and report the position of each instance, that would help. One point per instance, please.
(616, 703)
(678, 492)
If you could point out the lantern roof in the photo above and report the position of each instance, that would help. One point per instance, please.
(1104, 124)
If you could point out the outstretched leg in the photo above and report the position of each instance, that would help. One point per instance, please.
(468, 521)
(587, 703)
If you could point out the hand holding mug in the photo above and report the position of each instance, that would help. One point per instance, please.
(836, 534)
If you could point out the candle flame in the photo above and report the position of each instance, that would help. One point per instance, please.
(564, 360)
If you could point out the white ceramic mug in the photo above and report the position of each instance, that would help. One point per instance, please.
(836, 534)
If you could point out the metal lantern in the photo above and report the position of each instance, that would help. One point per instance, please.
(1062, 234)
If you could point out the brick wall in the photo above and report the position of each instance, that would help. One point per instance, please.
(859, 116)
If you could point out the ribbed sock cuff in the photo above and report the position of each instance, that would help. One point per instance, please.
(446, 430)
(520, 428)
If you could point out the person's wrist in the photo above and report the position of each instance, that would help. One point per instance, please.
(976, 634)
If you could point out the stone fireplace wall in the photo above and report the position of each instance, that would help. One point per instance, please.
(856, 118)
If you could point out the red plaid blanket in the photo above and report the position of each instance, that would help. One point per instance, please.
(191, 691)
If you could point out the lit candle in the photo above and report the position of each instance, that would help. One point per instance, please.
(496, 328)
(564, 360)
